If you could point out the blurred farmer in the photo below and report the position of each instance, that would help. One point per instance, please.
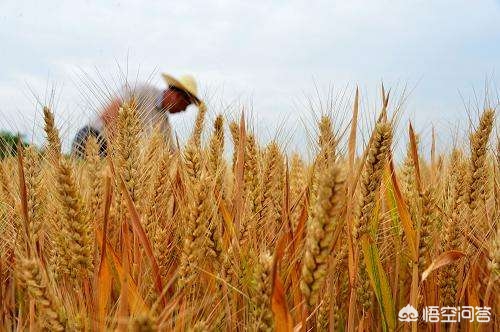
(153, 107)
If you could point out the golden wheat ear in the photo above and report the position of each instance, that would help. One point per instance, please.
(50, 314)
(325, 215)
(479, 170)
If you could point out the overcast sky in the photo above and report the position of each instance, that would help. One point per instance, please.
(268, 55)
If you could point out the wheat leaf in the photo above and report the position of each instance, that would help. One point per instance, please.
(379, 281)
(444, 259)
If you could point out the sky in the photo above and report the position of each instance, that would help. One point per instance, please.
(270, 57)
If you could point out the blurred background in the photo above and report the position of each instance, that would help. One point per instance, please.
(278, 59)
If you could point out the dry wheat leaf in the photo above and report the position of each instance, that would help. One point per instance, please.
(444, 259)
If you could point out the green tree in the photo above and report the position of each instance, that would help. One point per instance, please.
(8, 143)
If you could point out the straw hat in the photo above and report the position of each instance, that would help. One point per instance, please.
(186, 83)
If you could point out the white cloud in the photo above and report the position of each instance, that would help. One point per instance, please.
(263, 51)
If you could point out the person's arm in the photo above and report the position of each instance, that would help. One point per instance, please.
(109, 115)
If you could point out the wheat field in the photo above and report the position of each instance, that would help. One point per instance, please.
(188, 239)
